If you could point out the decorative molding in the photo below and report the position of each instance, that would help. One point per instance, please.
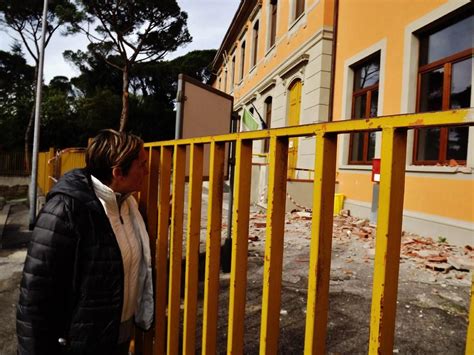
(295, 63)
(325, 34)
(266, 86)
(255, 11)
(251, 100)
(243, 33)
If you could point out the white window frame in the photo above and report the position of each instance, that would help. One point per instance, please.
(268, 48)
(292, 13)
(410, 82)
(348, 89)
(252, 50)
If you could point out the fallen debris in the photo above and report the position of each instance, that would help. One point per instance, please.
(461, 262)
(443, 267)
(441, 258)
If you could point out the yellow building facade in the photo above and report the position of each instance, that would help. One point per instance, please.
(391, 57)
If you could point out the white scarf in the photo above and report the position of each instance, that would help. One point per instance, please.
(144, 306)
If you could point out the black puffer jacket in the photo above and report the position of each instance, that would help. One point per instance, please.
(72, 286)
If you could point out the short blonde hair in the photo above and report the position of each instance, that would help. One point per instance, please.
(112, 149)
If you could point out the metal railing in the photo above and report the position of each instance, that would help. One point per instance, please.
(13, 164)
(167, 163)
(52, 165)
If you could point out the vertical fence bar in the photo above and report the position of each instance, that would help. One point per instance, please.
(143, 340)
(50, 170)
(152, 222)
(176, 248)
(271, 298)
(321, 240)
(470, 327)
(142, 199)
(213, 245)
(240, 229)
(192, 248)
(388, 237)
(152, 198)
(162, 250)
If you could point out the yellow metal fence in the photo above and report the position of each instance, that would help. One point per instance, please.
(167, 163)
(166, 182)
(52, 165)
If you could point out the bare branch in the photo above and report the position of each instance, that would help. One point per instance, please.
(90, 36)
(129, 45)
(50, 34)
(158, 57)
(112, 64)
(109, 33)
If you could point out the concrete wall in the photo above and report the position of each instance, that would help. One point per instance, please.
(14, 180)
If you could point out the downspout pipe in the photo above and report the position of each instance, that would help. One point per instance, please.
(333, 60)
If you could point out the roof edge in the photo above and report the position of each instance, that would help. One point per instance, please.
(243, 11)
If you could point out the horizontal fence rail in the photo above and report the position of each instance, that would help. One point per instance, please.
(172, 163)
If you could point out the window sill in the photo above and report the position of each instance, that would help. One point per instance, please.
(355, 167)
(418, 169)
(296, 21)
(270, 50)
(439, 169)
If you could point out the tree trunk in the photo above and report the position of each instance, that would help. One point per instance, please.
(27, 137)
(125, 98)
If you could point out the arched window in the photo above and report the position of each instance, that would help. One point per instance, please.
(268, 120)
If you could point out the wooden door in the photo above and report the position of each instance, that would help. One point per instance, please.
(293, 120)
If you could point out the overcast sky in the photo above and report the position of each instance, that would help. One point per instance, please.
(208, 21)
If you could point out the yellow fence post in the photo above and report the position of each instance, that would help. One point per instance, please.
(213, 245)
(50, 164)
(192, 248)
(271, 298)
(176, 248)
(321, 243)
(151, 208)
(152, 198)
(470, 327)
(387, 242)
(240, 231)
(162, 250)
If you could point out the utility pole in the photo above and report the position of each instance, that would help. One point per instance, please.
(36, 132)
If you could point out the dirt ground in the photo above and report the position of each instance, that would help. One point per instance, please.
(432, 310)
(433, 296)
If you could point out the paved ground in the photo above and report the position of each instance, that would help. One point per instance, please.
(12, 256)
(432, 305)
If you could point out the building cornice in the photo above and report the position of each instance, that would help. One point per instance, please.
(241, 16)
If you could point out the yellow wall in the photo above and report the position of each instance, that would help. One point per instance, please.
(318, 14)
(445, 197)
(362, 24)
(449, 198)
(355, 186)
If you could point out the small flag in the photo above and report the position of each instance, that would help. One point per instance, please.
(249, 121)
